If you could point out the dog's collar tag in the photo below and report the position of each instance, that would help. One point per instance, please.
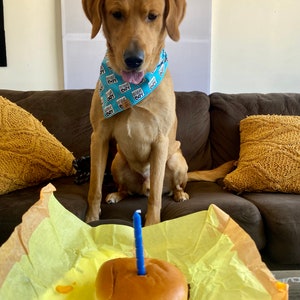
(118, 95)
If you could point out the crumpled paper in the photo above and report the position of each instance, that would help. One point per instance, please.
(54, 255)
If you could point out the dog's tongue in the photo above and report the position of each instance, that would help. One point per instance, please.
(133, 77)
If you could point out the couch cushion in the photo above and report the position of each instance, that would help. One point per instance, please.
(14, 205)
(193, 128)
(202, 194)
(281, 214)
(227, 110)
(269, 155)
(64, 113)
(28, 153)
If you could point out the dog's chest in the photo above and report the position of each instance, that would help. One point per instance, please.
(140, 127)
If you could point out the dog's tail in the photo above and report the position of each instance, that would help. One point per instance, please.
(214, 174)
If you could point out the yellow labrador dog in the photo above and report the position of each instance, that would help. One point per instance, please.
(134, 102)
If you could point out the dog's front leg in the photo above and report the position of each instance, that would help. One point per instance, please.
(158, 158)
(99, 153)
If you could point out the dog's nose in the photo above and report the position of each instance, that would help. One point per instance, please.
(133, 59)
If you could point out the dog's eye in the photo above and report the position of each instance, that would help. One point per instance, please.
(151, 17)
(117, 15)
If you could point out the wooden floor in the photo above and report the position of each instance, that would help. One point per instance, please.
(292, 277)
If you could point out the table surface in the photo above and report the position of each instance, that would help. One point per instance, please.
(292, 278)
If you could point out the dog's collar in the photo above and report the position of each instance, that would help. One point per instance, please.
(118, 95)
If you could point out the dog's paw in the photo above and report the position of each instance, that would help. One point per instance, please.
(180, 196)
(91, 217)
(152, 216)
(114, 197)
(151, 220)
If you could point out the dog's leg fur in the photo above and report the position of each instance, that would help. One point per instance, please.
(128, 181)
(158, 159)
(176, 171)
(99, 154)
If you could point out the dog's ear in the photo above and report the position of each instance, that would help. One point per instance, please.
(92, 9)
(175, 10)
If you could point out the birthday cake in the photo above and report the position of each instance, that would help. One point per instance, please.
(118, 279)
(139, 278)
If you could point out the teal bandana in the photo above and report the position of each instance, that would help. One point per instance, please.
(118, 95)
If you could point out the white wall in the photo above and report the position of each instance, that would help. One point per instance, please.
(33, 41)
(255, 46)
(189, 58)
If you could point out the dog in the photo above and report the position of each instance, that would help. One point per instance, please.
(149, 160)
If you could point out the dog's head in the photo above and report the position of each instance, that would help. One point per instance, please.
(135, 31)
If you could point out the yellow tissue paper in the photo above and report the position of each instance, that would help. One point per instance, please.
(54, 255)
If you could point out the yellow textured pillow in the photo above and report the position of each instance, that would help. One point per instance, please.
(269, 155)
(29, 154)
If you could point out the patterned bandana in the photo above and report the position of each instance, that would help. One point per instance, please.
(118, 95)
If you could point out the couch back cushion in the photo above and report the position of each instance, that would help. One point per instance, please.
(192, 110)
(64, 113)
(227, 110)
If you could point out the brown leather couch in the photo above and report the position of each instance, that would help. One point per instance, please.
(208, 129)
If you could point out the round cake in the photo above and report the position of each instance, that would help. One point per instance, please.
(117, 279)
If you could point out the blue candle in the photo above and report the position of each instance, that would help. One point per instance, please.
(139, 250)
